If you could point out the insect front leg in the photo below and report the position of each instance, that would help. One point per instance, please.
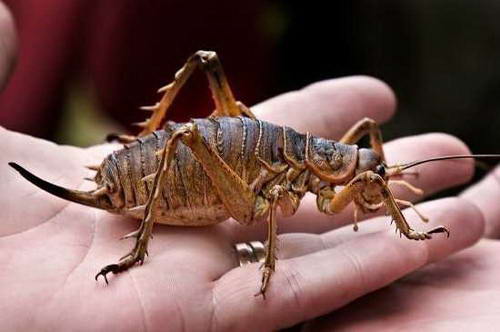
(394, 210)
(143, 234)
(356, 186)
(324, 198)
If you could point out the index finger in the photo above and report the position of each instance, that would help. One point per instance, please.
(329, 108)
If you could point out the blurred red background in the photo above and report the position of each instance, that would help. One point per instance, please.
(103, 59)
(125, 50)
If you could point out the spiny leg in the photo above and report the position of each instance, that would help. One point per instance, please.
(360, 129)
(208, 61)
(225, 103)
(401, 223)
(288, 202)
(269, 263)
(356, 187)
(143, 234)
(397, 215)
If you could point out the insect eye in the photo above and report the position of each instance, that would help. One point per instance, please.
(380, 170)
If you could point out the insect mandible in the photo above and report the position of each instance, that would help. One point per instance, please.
(232, 164)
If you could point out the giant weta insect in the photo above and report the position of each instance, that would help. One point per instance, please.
(233, 165)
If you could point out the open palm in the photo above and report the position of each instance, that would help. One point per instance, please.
(461, 292)
(51, 249)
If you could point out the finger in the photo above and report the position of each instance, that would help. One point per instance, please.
(314, 284)
(485, 195)
(433, 177)
(7, 44)
(329, 108)
(299, 244)
(447, 296)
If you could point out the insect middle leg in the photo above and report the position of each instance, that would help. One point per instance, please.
(225, 103)
(289, 203)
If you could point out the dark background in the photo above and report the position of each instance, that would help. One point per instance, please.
(85, 66)
(440, 57)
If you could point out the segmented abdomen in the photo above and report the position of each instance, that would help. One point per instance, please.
(188, 194)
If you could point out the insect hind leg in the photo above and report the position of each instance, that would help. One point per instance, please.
(143, 234)
(236, 195)
(225, 103)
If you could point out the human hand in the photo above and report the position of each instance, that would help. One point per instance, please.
(51, 249)
(7, 43)
(457, 293)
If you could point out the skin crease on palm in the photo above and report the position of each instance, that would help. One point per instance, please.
(50, 249)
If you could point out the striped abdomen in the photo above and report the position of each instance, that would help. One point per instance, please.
(188, 196)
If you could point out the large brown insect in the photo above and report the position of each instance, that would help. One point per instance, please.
(233, 165)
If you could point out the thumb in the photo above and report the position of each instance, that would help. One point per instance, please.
(7, 44)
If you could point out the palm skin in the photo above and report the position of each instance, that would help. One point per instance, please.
(51, 249)
(459, 293)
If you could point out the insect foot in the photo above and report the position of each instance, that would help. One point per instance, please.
(414, 235)
(266, 276)
(137, 255)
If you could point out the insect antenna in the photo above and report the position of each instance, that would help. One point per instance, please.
(402, 167)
